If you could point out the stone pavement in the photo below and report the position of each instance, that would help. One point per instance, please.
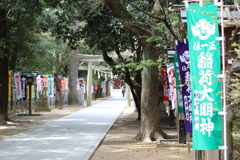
(73, 137)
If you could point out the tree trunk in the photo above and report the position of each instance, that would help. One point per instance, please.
(73, 75)
(150, 123)
(59, 92)
(138, 79)
(72, 95)
(3, 70)
(135, 94)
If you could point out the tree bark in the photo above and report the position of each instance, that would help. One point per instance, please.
(72, 95)
(150, 128)
(59, 92)
(73, 74)
(139, 29)
(4, 69)
(138, 79)
(135, 94)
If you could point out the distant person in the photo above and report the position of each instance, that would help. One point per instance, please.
(123, 91)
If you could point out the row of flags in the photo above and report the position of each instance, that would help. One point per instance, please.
(19, 83)
(191, 82)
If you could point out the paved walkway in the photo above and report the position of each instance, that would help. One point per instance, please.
(73, 137)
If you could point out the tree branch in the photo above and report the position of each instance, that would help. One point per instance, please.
(8, 26)
(156, 17)
(141, 10)
(129, 22)
(11, 24)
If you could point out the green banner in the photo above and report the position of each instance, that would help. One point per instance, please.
(35, 92)
(204, 50)
(178, 85)
(49, 85)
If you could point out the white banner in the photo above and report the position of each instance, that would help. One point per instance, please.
(17, 80)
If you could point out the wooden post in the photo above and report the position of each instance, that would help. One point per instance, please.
(181, 129)
(212, 154)
(128, 96)
(89, 84)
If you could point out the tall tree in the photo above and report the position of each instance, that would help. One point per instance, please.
(143, 30)
(11, 13)
(73, 72)
(150, 125)
(61, 19)
(4, 67)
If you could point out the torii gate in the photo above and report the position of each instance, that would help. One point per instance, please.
(96, 58)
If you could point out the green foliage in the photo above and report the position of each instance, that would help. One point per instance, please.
(133, 66)
(2, 46)
(60, 17)
(53, 53)
(22, 46)
(162, 35)
(109, 35)
(28, 48)
(21, 28)
(17, 9)
(142, 4)
(228, 2)
(234, 98)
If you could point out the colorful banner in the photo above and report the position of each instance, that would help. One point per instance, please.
(53, 87)
(178, 85)
(17, 80)
(95, 86)
(28, 93)
(172, 86)
(24, 86)
(184, 64)
(62, 83)
(34, 92)
(67, 82)
(49, 85)
(42, 81)
(163, 73)
(45, 81)
(205, 66)
(78, 85)
(9, 84)
(39, 86)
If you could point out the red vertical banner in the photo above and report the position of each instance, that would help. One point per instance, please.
(96, 87)
(17, 80)
(45, 81)
(62, 81)
(163, 73)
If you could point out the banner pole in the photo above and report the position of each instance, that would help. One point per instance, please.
(224, 86)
